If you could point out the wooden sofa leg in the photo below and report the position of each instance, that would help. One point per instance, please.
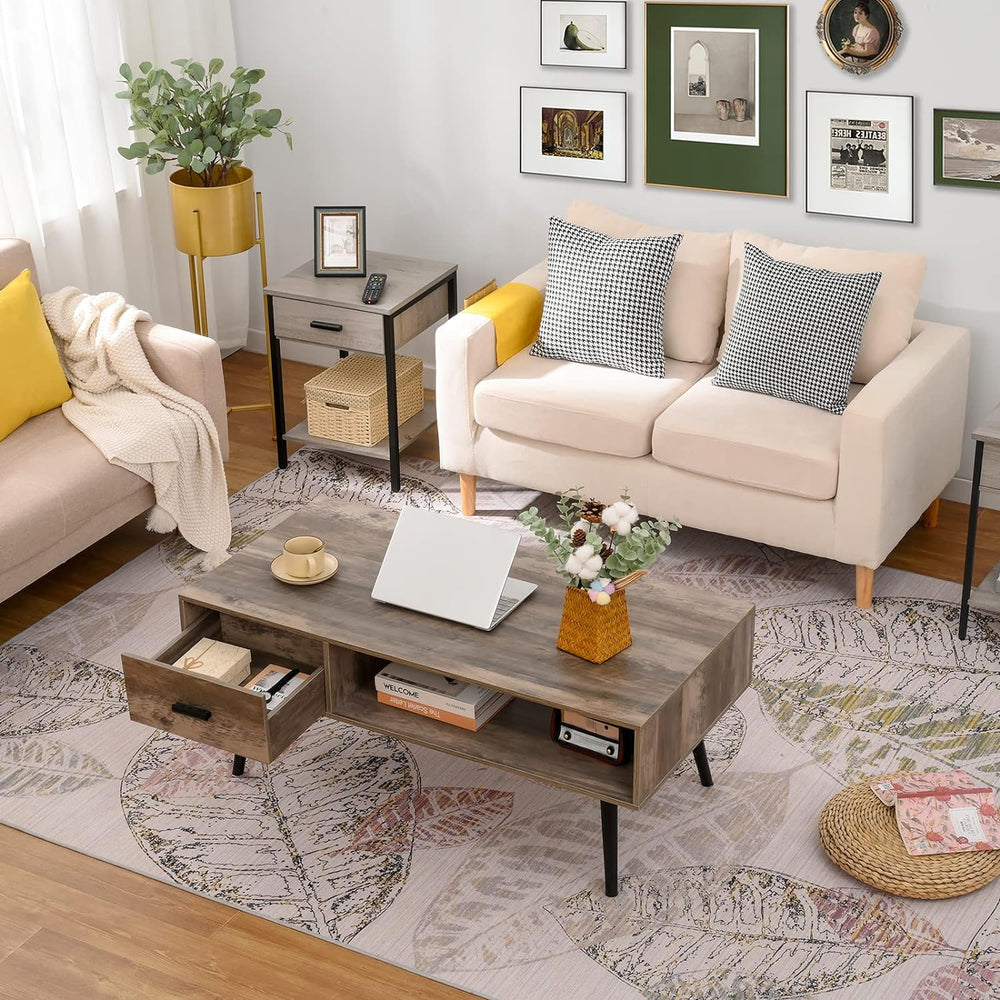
(865, 584)
(930, 516)
(468, 489)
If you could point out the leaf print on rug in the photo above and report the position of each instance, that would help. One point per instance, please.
(279, 840)
(471, 925)
(722, 743)
(690, 933)
(754, 577)
(46, 693)
(434, 818)
(976, 977)
(43, 766)
(889, 689)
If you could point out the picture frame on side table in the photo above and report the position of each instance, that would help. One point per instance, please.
(859, 155)
(574, 133)
(585, 33)
(339, 243)
(859, 35)
(967, 148)
(717, 97)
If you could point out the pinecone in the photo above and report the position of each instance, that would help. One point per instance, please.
(606, 550)
(592, 511)
(579, 537)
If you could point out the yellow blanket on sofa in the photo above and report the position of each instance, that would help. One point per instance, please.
(516, 312)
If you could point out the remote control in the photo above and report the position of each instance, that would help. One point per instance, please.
(373, 290)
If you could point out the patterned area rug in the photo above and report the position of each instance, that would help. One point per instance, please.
(494, 883)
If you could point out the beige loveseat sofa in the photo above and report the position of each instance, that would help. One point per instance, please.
(58, 494)
(846, 487)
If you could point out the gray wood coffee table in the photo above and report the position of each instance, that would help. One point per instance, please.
(689, 661)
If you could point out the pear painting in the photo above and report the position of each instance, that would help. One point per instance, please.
(584, 32)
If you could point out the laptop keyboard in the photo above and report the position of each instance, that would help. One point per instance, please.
(506, 603)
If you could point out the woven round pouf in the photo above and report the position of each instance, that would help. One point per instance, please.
(860, 836)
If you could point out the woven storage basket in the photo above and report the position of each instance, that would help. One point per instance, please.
(348, 402)
(592, 631)
(859, 835)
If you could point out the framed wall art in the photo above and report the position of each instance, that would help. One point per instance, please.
(717, 96)
(859, 155)
(967, 148)
(339, 248)
(573, 133)
(859, 35)
(583, 33)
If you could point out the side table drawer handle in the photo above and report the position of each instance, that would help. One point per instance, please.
(318, 324)
(194, 711)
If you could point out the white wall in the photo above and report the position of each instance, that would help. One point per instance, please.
(411, 108)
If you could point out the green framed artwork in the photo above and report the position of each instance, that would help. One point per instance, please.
(717, 97)
(967, 148)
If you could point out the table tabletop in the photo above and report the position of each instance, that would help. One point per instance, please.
(409, 278)
(674, 628)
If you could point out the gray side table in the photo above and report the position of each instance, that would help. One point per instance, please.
(985, 472)
(329, 311)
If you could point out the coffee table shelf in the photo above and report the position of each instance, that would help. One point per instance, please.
(517, 739)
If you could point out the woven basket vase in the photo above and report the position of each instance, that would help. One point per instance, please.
(592, 631)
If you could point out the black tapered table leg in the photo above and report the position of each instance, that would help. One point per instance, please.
(239, 764)
(701, 762)
(277, 386)
(389, 343)
(609, 837)
(970, 541)
(453, 295)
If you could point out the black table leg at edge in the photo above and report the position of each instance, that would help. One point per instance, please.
(970, 541)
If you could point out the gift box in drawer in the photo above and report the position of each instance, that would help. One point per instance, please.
(217, 659)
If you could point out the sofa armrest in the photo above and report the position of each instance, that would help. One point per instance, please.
(901, 443)
(465, 352)
(190, 364)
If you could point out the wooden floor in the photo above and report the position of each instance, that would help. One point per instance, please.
(72, 927)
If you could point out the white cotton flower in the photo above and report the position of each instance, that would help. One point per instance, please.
(623, 527)
(624, 511)
(591, 568)
(608, 515)
(574, 565)
(584, 552)
(585, 526)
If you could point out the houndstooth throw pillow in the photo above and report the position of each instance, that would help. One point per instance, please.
(604, 299)
(796, 331)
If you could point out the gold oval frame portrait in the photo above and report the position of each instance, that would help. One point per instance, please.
(858, 64)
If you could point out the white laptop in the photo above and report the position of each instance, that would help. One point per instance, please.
(452, 568)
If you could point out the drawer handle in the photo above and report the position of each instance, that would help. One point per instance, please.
(318, 324)
(195, 711)
(337, 406)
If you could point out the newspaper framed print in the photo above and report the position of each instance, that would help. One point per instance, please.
(859, 155)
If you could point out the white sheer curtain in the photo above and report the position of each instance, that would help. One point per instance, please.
(93, 219)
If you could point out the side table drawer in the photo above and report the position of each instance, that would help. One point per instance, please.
(223, 715)
(335, 326)
(991, 467)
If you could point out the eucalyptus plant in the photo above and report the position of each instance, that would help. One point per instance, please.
(593, 541)
(192, 118)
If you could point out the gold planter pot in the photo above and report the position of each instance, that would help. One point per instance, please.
(593, 631)
(213, 221)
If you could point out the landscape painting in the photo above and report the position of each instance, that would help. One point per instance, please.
(573, 132)
(970, 149)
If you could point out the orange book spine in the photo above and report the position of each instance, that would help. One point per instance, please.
(419, 708)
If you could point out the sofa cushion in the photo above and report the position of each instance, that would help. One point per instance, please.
(581, 406)
(890, 320)
(695, 303)
(796, 331)
(744, 437)
(55, 480)
(31, 378)
(604, 299)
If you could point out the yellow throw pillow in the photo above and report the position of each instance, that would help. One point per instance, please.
(31, 378)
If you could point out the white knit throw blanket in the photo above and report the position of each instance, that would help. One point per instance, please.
(138, 422)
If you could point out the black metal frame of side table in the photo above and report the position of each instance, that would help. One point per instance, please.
(970, 541)
(389, 350)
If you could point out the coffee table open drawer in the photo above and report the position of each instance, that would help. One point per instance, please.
(225, 715)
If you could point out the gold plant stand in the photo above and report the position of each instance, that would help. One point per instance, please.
(196, 270)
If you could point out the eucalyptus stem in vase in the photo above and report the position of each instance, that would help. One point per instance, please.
(598, 549)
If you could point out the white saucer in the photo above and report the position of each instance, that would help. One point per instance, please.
(331, 567)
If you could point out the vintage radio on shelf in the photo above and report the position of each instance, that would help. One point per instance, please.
(591, 736)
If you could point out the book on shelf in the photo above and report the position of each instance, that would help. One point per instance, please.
(457, 703)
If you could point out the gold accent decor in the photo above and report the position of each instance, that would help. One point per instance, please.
(593, 631)
(832, 46)
(860, 836)
(213, 221)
